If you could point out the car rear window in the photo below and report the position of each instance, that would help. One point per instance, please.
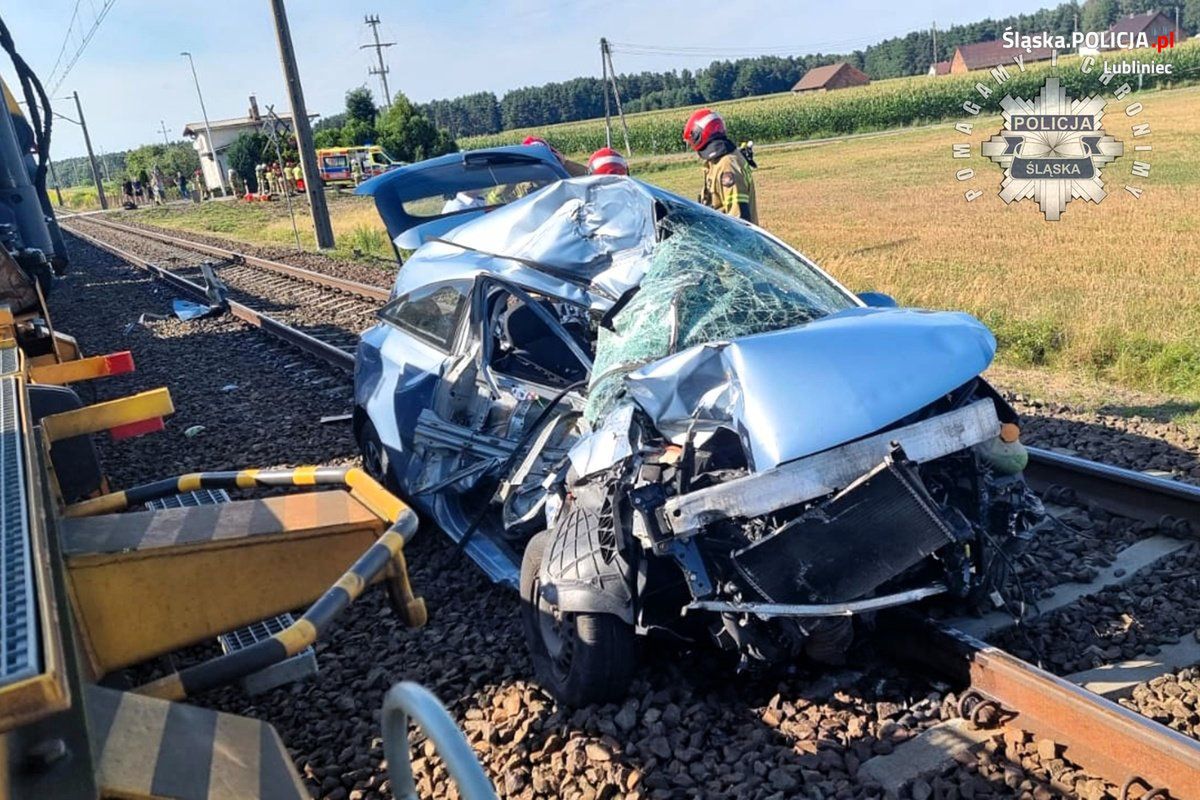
(454, 188)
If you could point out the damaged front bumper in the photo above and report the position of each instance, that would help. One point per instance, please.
(832, 560)
(822, 474)
(817, 610)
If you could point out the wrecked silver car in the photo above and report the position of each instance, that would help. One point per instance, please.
(653, 419)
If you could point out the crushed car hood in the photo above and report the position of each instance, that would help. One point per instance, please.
(795, 392)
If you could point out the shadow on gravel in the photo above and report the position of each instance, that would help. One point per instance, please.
(1160, 412)
(246, 401)
(1123, 442)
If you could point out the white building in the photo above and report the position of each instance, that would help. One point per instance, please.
(224, 133)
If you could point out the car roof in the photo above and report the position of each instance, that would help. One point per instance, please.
(437, 176)
(562, 260)
(416, 180)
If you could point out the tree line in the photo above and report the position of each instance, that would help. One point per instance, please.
(169, 158)
(583, 98)
(411, 132)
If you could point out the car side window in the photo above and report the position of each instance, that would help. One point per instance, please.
(431, 313)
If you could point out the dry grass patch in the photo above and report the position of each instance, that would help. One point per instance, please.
(1110, 289)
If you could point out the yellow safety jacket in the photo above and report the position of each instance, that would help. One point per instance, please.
(729, 187)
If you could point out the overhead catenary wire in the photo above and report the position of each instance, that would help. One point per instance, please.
(56, 79)
(66, 38)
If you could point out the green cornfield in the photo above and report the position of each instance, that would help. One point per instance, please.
(881, 105)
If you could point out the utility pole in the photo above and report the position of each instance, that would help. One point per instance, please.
(382, 71)
(162, 127)
(604, 72)
(606, 54)
(212, 146)
(935, 50)
(54, 177)
(304, 140)
(87, 141)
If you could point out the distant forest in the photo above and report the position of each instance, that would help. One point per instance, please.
(583, 98)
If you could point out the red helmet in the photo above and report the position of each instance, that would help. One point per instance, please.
(530, 140)
(607, 161)
(701, 127)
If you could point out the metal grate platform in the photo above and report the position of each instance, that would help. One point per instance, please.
(299, 666)
(201, 497)
(9, 362)
(19, 650)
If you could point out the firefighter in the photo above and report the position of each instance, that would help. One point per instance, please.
(607, 161)
(235, 182)
(728, 182)
(573, 168)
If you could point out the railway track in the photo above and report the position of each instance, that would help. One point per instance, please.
(1131, 753)
(320, 314)
(1135, 755)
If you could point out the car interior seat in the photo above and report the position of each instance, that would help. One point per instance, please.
(533, 351)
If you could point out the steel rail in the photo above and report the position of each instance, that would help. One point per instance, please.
(299, 273)
(297, 338)
(1101, 737)
(1172, 505)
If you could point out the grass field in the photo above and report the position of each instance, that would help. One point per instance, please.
(357, 229)
(1112, 291)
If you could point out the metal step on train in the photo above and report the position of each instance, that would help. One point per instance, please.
(294, 668)
(94, 581)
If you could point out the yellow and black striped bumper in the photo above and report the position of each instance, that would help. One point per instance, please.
(145, 747)
(384, 556)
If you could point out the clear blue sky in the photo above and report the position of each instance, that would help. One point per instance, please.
(131, 75)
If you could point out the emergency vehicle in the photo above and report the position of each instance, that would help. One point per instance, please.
(334, 163)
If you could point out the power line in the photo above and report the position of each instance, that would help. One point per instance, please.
(66, 38)
(87, 38)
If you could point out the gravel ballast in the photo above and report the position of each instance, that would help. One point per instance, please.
(689, 728)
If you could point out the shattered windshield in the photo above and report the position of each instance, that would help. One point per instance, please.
(709, 279)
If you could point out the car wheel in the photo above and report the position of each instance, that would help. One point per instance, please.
(580, 658)
(374, 457)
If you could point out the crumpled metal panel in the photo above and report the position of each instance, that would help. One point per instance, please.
(574, 224)
(605, 446)
(795, 392)
(597, 229)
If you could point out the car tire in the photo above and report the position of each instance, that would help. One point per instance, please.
(374, 458)
(580, 658)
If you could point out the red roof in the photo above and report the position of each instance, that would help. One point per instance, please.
(1137, 23)
(940, 68)
(817, 77)
(982, 55)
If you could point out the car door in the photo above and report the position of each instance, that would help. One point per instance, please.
(502, 415)
(400, 363)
